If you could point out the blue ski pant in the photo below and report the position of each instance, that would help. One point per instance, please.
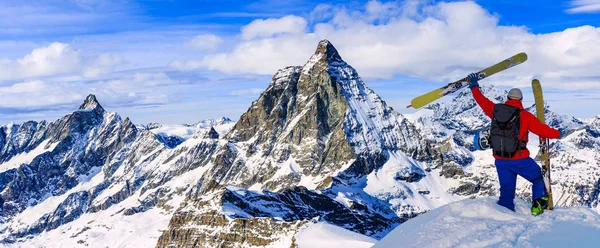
(507, 175)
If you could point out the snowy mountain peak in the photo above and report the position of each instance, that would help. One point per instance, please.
(91, 103)
(225, 120)
(326, 51)
(211, 122)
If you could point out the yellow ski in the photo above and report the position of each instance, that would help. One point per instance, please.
(539, 109)
(425, 99)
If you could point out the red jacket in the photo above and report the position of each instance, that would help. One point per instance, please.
(528, 122)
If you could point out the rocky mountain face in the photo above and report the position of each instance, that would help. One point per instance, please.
(64, 150)
(311, 123)
(85, 163)
(317, 145)
(315, 127)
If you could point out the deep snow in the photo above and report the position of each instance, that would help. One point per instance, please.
(482, 223)
(325, 235)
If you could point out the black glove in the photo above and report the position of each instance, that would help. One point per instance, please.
(473, 80)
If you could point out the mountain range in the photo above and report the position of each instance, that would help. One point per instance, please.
(317, 146)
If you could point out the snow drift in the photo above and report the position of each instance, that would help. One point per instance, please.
(482, 223)
(326, 235)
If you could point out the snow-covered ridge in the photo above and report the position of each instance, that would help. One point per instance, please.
(27, 157)
(107, 178)
(208, 123)
(173, 134)
(186, 131)
(483, 223)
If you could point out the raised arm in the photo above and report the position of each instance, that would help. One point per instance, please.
(541, 129)
(484, 102)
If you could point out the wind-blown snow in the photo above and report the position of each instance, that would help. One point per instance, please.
(325, 235)
(483, 223)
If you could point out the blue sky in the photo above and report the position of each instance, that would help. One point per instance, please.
(183, 61)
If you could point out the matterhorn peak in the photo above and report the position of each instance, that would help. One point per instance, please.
(91, 103)
(326, 51)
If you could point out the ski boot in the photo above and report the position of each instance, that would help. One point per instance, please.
(538, 205)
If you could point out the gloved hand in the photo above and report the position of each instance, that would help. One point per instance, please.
(473, 78)
(562, 133)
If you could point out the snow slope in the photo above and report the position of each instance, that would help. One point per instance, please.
(482, 223)
(325, 235)
(26, 157)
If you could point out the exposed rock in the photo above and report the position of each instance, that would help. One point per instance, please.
(212, 134)
(450, 170)
(92, 104)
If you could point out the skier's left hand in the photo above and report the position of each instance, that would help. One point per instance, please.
(473, 78)
(562, 133)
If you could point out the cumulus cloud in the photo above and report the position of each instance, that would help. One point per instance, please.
(584, 6)
(127, 89)
(207, 42)
(56, 59)
(441, 41)
(31, 94)
(103, 64)
(264, 28)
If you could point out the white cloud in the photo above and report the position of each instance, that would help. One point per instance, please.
(377, 10)
(262, 56)
(57, 59)
(104, 64)
(128, 89)
(206, 42)
(263, 28)
(321, 12)
(137, 82)
(442, 41)
(584, 6)
(253, 91)
(31, 94)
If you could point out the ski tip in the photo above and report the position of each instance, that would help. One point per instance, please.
(535, 81)
(520, 56)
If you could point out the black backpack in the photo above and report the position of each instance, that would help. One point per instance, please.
(504, 131)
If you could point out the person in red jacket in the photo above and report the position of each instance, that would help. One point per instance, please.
(520, 163)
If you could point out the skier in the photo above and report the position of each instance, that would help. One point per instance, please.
(509, 136)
